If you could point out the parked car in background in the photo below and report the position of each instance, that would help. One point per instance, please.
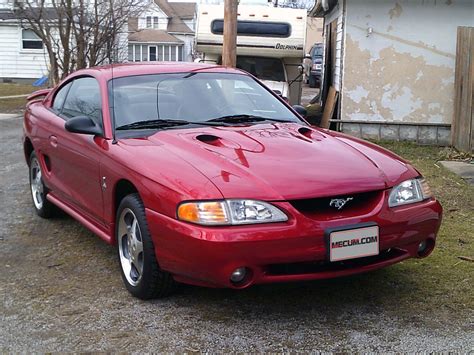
(201, 174)
(315, 56)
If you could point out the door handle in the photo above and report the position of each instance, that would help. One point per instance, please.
(53, 140)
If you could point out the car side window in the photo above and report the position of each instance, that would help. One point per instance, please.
(83, 99)
(59, 98)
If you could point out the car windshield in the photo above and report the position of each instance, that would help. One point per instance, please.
(194, 98)
(317, 51)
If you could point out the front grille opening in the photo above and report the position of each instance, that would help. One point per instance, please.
(327, 266)
(320, 208)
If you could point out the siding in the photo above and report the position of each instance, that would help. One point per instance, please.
(338, 67)
(336, 15)
(16, 62)
(188, 46)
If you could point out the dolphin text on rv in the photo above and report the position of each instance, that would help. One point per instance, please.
(288, 47)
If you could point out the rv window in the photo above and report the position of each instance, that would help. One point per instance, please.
(255, 28)
(263, 68)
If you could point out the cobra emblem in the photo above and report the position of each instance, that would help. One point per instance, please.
(339, 202)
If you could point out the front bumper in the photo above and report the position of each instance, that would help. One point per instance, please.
(290, 251)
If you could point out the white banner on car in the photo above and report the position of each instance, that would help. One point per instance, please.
(354, 243)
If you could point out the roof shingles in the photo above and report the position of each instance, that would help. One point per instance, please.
(153, 36)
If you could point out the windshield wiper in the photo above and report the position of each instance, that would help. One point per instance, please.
(152, 124)
(160, 124)
(243, 118)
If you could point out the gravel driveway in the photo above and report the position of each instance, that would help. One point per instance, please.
(61, 291)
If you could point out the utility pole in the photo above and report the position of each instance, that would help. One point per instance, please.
(229, 47)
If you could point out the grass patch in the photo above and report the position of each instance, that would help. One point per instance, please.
(446, 277)
(14, 104)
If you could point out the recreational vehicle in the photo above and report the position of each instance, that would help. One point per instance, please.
(270, 44)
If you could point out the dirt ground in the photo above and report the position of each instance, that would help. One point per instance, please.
(61, 291)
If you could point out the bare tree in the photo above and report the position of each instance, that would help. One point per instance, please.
(295, 4)
(79, 33)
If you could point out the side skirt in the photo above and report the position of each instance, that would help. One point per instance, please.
(107, 237)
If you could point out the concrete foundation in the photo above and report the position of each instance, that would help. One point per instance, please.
(18, 80)
(434, 134)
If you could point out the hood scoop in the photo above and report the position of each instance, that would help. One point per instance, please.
(208, 139)
(309, 133)
(216, 141)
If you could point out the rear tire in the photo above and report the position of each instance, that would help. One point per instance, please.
(312, 81)
(140, 271)
(42, 206)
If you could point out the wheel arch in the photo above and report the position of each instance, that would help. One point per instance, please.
(28, 149)
(122, 188)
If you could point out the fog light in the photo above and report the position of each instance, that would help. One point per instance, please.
(238, 275)
(425, 247)
(422, 247)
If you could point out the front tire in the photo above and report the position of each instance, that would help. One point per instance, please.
(312, 81)
(43, 207)
(140, 271)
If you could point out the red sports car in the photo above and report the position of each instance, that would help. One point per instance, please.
(200, 174)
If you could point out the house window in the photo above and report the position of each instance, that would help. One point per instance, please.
(155, 22)
(159, 52)
(148, 22)
(30, 40)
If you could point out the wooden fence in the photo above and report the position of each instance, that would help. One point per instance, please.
(462, 129)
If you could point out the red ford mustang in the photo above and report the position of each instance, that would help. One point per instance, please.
(200, 174)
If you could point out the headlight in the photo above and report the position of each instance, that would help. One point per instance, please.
(409, 191)
(230, 212)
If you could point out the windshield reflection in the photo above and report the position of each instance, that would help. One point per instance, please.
(193, 97)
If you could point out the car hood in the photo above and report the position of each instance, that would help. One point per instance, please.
(283, 161)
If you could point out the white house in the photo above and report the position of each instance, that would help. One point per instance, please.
(22, 54)
(393, 64)
(164, 32)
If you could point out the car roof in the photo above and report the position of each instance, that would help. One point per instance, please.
(132, 69)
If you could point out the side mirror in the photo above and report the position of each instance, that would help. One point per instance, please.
(301, 110)
(301, 69)
(82, 125)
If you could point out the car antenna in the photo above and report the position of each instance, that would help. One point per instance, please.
(114, 140)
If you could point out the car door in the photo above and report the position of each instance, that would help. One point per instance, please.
(75, 158)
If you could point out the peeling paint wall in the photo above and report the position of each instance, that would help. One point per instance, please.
(399, 59)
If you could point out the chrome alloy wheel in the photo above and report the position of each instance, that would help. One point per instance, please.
(130, 244)
(37, 187)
